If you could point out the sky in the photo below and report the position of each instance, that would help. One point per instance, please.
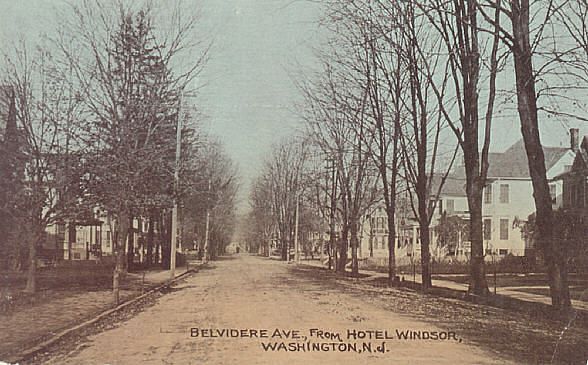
(247, 93)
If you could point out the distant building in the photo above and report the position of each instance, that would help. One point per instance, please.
(508, 196)
(507, 204)
(235, 247)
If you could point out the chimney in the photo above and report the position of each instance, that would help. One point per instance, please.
(574, 139)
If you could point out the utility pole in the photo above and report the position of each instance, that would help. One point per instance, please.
(296, 243)
(206, 234)
(332, 214)
(174, 235)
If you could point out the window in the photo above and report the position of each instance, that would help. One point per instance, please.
(440, 207)
(450, 206)
(503, 251)
(504, 192)
(553, 193)
(504, 229)
(487, 229)
(488, 194)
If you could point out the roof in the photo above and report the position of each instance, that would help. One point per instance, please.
(454, 185)
(513, 162)
(580, 165)
(583, 151)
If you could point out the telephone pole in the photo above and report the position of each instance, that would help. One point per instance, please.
(296, 243)
(332, 237)
(206, 234)
(174, 235)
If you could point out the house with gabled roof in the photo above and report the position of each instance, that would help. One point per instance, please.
(508, 196)
(507, 204)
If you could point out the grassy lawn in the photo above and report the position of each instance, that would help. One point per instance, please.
(88, 276)
(529, 283)
(67, 281)
(84, 276)
(503, 280)
(576, 293)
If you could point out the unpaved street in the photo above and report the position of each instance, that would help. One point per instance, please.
(246, 292)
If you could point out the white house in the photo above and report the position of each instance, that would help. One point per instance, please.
(508, 196)
(507, 204)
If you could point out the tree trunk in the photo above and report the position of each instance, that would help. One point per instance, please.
(165, 239)
(478, 284)
(425, 256)
(332, 239)
(284, 242)
(343, 246)
(31, 286)
(391, 213)
(130, 255)
(354, 245)
(150, 236)
(71, 234)
(371, 240)
(123, 229)
(157, 243)
(527, 107)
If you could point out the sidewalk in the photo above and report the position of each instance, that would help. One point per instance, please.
(57, 310)
(506, 291)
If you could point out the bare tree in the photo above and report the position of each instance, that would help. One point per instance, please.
(283, 178)
(466, 54)
(379, 61)
(421, 138)
(523, 44)
(127, 73)
(367, 65)
(260, 223)
(336, 118)
(216, 191)
(45, 111)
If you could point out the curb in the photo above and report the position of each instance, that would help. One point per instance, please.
(29, 353)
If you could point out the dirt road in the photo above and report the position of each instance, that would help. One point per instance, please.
(256, 296)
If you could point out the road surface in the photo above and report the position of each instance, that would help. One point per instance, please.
(252, 295)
